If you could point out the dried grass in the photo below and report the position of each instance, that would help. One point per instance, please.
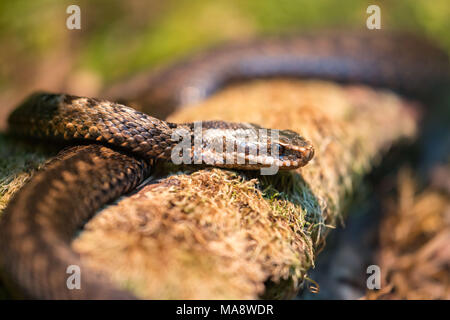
(414, 253)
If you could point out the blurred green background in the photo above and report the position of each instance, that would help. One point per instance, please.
(118, 38)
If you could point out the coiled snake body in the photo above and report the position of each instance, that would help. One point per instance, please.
(39, 222)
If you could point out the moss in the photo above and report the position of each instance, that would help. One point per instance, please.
(18, 161)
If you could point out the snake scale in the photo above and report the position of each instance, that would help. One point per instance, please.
(114, 147)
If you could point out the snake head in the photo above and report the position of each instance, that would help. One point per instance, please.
(293, 150)
(283, 149)
(251, 147)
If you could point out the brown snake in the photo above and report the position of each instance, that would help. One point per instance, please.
(41, 219)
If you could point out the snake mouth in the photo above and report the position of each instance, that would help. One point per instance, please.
(291, 157)
(287, 158)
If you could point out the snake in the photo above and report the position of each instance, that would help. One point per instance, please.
(114, 146)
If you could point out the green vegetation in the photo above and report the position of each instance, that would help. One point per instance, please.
(121, 37)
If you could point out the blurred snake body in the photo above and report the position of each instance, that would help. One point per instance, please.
(118, 145)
